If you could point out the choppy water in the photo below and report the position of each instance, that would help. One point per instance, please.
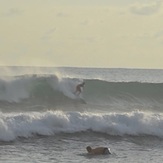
(41, 120)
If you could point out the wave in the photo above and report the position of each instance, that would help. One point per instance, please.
(53, 88)
(119, 89)
(15, 89)
(35, 90)
(15, 125)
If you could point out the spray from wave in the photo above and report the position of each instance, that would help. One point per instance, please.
(15, 89)
(26, 125)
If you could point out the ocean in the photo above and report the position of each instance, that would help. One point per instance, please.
(42, 120)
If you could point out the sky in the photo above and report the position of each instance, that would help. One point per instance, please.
(82, 33)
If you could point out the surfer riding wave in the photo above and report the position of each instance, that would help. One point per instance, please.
(79, 88)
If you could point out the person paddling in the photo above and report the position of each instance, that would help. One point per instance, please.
(98, 150)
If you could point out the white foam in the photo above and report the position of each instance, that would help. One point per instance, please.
(68, 87)
(15, 125)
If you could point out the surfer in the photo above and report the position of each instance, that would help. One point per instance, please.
(79, 88)
(98, 150)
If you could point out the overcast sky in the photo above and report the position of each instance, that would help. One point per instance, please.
(82, 33)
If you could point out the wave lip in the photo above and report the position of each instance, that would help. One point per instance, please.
(26, 125)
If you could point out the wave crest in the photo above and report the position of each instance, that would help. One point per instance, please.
(47, 123)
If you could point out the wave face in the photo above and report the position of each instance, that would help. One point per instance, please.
(123, 90)
(51, 90)
(26, 125)
(56, 90)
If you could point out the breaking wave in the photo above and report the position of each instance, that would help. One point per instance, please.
(34, 87)
(15, 125)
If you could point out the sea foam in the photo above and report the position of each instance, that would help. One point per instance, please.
(14, 125)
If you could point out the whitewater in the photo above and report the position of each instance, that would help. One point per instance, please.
(42, 120)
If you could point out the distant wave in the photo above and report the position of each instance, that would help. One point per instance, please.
(15, 125)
